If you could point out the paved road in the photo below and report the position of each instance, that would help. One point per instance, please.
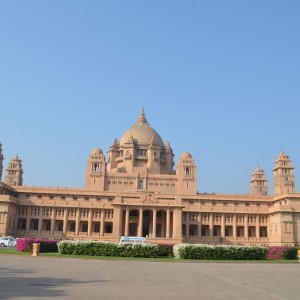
(54, 278)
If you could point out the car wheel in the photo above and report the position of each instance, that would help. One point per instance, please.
(2, 245)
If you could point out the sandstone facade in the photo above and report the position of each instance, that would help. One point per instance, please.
(135, 191)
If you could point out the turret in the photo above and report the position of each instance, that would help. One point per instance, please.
(167, 159)
(95, 171)
(259, 183)
(113, 154)
(153, 153)
(284, 178)
(14, 172)
(186, 173)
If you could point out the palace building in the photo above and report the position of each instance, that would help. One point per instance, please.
(136, 190)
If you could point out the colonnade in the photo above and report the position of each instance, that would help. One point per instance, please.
(224, 225)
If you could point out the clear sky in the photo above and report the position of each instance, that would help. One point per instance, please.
(219, 79)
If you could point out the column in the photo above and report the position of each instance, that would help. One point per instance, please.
(177, 227)
(27, 224)
(268, 227)
(127, 222)
(187, 226)
(77, 222)
(90, 222)
(199, 218)
(234, 227)
(246, 228)
(117, 222)
(154, 212)
(223, 225)
(257, 227)
(65, 225)
(102, 223)
(168, 223)
(41, 214)
(211, 226)
(140, 227)
(53, 216)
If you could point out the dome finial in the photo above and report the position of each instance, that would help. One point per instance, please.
(142, 118)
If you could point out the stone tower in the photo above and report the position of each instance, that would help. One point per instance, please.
(186, 173)
(259, 183)
(95, 170)
(14, 172)
(1, 161)
(284, 178)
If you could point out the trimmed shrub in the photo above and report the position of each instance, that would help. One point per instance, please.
(107, 249)
(200, 251)
(165, 250)
(282, 252)
(290, 253)
(26, 245)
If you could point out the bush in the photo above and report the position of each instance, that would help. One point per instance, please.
(200, 251)
(26, 245)
(107, 249)
(165, 250)
(290, 253)
(282, 252)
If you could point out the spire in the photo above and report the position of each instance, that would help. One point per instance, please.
(142, 118)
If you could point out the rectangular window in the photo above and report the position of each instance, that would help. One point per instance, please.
(141, 184)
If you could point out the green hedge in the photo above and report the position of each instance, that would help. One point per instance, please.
(290, 253)
(165, 250)
(107, 249)
(200, 251)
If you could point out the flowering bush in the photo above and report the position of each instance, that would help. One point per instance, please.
(25, 245)
(200, 251)
(282, 252)
(93, 248)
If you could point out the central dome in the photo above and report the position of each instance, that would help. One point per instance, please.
(142, 133)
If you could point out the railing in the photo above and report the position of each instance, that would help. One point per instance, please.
(83, 233)
(58, 232)
(95, 234)
(33, 232)
(21, 232)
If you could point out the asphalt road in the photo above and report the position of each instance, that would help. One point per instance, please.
(23, 277)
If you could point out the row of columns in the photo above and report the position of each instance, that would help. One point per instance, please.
(117, 221)
(65, 222)
(154, 221)
(234, 226)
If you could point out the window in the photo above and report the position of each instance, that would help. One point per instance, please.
(187, 171)
(95, 167)
(141, 184)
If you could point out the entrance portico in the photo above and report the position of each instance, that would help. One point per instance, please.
(148, 221)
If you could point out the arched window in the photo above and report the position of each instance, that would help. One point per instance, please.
(187, 171)
(95, 167)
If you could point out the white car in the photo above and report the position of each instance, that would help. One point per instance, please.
(8, 241)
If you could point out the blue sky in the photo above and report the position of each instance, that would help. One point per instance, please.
(219, 79)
